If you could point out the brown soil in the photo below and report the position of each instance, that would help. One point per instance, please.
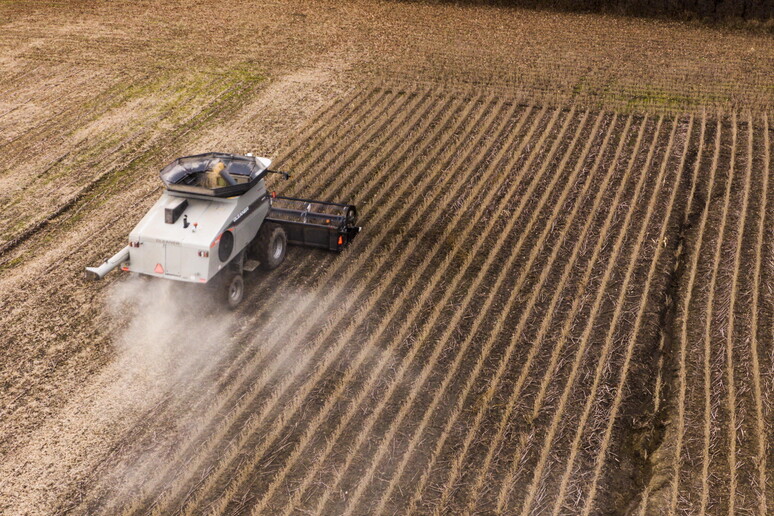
(505, 335)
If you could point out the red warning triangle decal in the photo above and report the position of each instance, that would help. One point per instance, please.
(159, 269)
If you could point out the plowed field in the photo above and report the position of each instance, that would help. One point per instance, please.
(561, 301)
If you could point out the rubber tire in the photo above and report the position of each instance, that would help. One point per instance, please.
(271, 245)
(233, 289)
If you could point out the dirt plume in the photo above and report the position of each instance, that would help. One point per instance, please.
(174, 334)
(173, 338)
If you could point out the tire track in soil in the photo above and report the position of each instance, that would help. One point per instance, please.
(569, 470)
(619, 250)
(701, 405)
(523, 327)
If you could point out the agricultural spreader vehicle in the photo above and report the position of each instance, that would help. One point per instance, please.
(215, 221)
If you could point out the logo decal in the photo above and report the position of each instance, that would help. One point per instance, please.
(247, 208)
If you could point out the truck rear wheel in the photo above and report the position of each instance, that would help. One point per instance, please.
(270, 246)
(233, 289)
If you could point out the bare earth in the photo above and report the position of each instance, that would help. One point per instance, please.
(562, 299)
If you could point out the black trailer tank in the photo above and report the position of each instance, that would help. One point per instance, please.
(327, 225)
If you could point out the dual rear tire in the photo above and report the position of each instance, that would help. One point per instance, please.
(270, 248)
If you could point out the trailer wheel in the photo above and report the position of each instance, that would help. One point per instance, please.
(271, 246)
(234, 289)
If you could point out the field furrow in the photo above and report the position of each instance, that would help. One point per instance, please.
(552, 452)
(378, 370)
(696, 151)
(560, 299)
(721, 481)
(741, 401)
(766, 322)
(665, 245)
(267, 368)
(451, 372)
(501, 119)
(497, 335)
(686, 359)
(758, 334)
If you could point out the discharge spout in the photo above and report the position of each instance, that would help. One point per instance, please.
(97, 273)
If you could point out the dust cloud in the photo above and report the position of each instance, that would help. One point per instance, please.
(173, 335)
